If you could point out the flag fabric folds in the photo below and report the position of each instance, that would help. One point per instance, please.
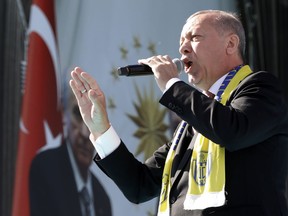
(41, 117)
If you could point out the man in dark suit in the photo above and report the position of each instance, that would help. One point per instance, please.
(235, 149)
(57, 176)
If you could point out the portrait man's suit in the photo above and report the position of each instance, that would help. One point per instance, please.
(254, 134)
(53, 188)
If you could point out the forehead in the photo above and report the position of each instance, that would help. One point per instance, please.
(194, 23)
(201, 24)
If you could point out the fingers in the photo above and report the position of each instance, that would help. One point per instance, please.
(76, 76)
(83, 82)
(79, 86)
(85, 88)
(156, 60)
(91, 101)
(91, 82)
(75, 90)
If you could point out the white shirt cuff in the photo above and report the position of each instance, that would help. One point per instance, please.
(106, 143)
(170, 83)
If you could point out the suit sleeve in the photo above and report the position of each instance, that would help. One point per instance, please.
(255, 111)
(138, 181)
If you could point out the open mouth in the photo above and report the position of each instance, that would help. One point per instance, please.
(188, 64)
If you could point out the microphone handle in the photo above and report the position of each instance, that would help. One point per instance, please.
(142, 69)
(135, 70)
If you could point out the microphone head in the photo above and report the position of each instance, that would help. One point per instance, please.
(179, 64)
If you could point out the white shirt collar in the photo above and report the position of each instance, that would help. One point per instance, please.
(215, 87)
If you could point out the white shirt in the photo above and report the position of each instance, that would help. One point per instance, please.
(109, 141)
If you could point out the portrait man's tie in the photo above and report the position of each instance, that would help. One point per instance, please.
(86, 200)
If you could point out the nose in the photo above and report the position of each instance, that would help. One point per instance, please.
(185, 47)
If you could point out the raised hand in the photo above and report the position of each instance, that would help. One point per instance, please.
(91, 102)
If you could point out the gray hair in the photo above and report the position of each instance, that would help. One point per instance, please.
(226, 21)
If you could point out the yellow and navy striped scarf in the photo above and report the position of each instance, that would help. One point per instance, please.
(207, 167)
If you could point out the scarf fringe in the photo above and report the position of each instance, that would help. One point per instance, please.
(203, 201)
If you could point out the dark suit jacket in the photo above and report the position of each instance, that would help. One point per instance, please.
(253, 128)
(53, 188)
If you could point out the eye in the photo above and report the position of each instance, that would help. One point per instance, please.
(195, 38)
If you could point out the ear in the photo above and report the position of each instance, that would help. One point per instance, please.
(232, 44)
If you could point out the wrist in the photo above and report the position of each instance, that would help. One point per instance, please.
(100, 131)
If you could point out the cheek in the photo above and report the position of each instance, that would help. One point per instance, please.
(73, 133)
(208, 49)
(202, 51)
(202, 54)
(83, 153)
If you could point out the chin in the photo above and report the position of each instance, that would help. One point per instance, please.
(191, 80)
(195, 85)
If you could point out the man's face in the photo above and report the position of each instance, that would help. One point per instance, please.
(78, 135)
(203, 51)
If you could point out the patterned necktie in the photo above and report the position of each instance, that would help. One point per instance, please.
(86, 200)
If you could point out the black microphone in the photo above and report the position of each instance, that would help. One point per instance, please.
(142, 69)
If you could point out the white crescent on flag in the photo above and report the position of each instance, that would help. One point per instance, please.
(41, 25)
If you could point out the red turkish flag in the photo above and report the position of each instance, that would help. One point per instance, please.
(41, 117)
